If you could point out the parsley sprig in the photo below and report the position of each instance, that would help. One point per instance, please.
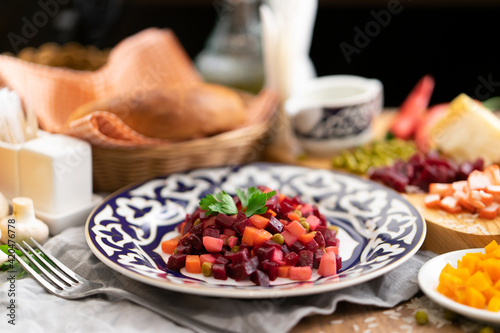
(253, 201)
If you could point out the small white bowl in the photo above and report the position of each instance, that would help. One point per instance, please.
(332, 113)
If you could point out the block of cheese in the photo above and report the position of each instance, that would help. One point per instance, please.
(56, 172)
(468, 131)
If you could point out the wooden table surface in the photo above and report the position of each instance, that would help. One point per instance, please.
(350, 317)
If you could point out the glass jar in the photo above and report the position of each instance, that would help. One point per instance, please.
(233, 53)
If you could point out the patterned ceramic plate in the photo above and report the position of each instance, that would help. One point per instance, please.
(378, 229)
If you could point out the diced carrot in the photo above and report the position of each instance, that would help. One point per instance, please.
(327, 264)
(461, 185)
(293, 216)
(281, 198)
(207, 257)
(283, 271)
(193, 264)
(477, 180)
(432, 200)
(443, 190)
(450, 205)
(168, 246)
(490, 212)
(259, 221)
(307, 237)
(300, 273)
(486, 198)
(475, 200)
(493, 189)
(296, 229)
(289, 237)
(181, 227)
(272, 212)
(213, 244)
(463, 200)
(249, 235)
(313, 221)
(334, 249)
(261, 237)
(493, 173)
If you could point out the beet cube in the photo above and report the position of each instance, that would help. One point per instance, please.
(195, 241)
(197, 229)
(274, 226)
(271, 243)
(306, 258)
(219, 271)
(224, 221)
(297, 247)
(222, 260)
(285, 208)
(333, 242)
(312, 246)
(185, 249)
(237, 257)
(291, 258)
(338, 260)
(318, 254)
(176, 262)
(264, 253)
(321, 229)
(260, 278)
(270, 268)
(319, 239)
(285, 249)
(240, 225)
(211, 232)
(245, 269)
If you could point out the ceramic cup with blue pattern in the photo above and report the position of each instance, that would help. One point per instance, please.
(336, 112)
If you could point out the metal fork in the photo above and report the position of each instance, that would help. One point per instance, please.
(65, 283)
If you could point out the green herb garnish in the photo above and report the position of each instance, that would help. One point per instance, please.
(252, 202)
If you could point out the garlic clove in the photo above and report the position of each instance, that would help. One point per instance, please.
(23, 224)
(4, 206)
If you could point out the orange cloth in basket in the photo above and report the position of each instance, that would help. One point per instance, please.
(150, 59)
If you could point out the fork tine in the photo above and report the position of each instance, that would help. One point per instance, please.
(58, 264)
(50, 267)
(40, 267)
(34, 274)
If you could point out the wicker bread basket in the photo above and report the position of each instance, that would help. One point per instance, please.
(115, 168)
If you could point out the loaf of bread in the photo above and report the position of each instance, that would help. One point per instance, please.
(175, 113)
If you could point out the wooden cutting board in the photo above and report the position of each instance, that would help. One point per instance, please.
(445, 232)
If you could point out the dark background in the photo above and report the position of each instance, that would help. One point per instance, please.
(454, 41)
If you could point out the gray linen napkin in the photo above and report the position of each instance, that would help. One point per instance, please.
(39, 311)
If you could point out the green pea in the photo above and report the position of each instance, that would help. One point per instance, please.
(450, 315)
(206, 269)
(305, 225)
(235, 248)
(278, 238)
(421, 317)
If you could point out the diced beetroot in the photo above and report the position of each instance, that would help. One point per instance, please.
(338, 260)
(260, 278)
(207, 257)
(176, 262)
(237, 257)
(270, 268)
(197, 229)
(240, 225)
(219, 271)
(297, 247)
(319, 239)
(264, 253)
(213, 244)
(224, 239)
(271, 243)
(185, 249)
(229, 232)
(277, 255)
(318, 254)
(209, 222)
(289, 238)
(291, 259)
(225, 221)
(274, 226)
(300, 273)
(313, 221)
(285, 208)
(328, 265)
(245, 269)
(322, 229)
(211, 232)
(222, 260)
(232, 241)
(333, 242)
(306, 258)
(193, 240)
(312, 246)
